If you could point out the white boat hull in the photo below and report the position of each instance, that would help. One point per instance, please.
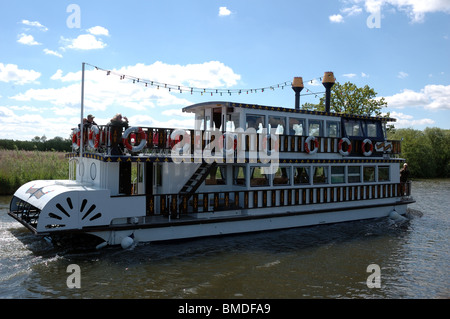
(213, 227)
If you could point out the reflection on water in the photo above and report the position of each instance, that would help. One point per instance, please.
(327, 261)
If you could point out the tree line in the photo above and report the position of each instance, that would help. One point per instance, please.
(427, 152)
(57, 144)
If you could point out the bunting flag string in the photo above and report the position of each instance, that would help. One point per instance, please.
(203, 91)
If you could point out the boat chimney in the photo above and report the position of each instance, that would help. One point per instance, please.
(328, 82)
(297, 86)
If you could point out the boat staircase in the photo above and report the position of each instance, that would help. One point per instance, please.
(194, 182)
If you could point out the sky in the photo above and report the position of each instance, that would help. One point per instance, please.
(400, 48)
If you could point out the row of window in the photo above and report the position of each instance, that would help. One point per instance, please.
(298, 175)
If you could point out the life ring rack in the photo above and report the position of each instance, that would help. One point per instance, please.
(316, 144)
(349, 146)
(141, 133)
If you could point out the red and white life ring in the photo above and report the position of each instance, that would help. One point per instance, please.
(94, 137)
(175, 139)
(349, 146)
(228, 137)
(76, 139)
(316, 145)
(138, 131)
(363, 147)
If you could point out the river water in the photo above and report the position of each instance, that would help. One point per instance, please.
(327, 261)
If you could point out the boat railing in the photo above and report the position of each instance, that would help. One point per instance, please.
(112, 140)
(178, 204)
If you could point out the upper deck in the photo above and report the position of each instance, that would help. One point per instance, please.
(249, 129)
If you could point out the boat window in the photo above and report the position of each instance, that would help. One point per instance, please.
(333, 129)
(369, 173)
(277, 123)
(301, 175)
(200, 120)
(371, 129)
(232, 122)
(282, 176)
(315, 128)
(354, 174)
(258, 177)
(239, 175)
(217, 176)
(320, 174)
(383, 174)
(296, 126)
(256, 122)
(207, 122)
(353, 128)
(337, 174)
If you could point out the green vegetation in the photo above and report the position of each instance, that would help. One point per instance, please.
(427, 152)
(57, 144)
(350, 99)
(19, 167)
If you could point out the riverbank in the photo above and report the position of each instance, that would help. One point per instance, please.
(20, 167)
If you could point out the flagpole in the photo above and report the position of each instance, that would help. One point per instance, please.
(82, 110)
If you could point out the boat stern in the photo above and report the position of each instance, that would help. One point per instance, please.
(51, 206)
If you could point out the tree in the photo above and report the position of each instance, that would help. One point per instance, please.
(350, 99)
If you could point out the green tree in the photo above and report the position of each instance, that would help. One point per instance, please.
(350, 99)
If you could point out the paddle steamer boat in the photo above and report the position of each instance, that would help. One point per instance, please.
(243, 168)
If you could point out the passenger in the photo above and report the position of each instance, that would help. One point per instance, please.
(116, 126)
(404, 177)
(118, 120)
(90, 120)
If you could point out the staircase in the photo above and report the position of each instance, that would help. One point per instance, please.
(197, 179)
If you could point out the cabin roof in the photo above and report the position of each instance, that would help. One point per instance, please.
(193, 108)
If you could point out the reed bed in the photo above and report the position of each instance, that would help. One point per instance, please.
(20, 167)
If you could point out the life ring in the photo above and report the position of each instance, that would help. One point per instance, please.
(175, 140)
(363, 147)
(228, 150)
(94, 137)
(276, 144)
(316, 145)
(349, 146)
(76, 139)
(127, 144)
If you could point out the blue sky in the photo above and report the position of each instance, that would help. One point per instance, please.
(401, 48)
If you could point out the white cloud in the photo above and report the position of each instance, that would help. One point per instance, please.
(12, 73)
(223, 11)
(50, 52)
(27, 39)
(84, 42)
(364, 75)
(405, 121)
(402, 75)
(415, 9)
(98, 30)
(103, 91)
(349, 75)
(34, 24)
(432, 97)
(336, 18)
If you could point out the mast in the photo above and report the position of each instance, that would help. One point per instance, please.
(82, 110)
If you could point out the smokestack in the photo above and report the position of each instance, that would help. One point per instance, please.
(297, 86)
(328, 82)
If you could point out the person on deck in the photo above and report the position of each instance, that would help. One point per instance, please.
(404, 177)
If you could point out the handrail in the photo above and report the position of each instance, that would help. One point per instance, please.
(177, 204)
(158, 140)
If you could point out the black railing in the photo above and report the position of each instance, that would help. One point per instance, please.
(207, 202)
(109, 140)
